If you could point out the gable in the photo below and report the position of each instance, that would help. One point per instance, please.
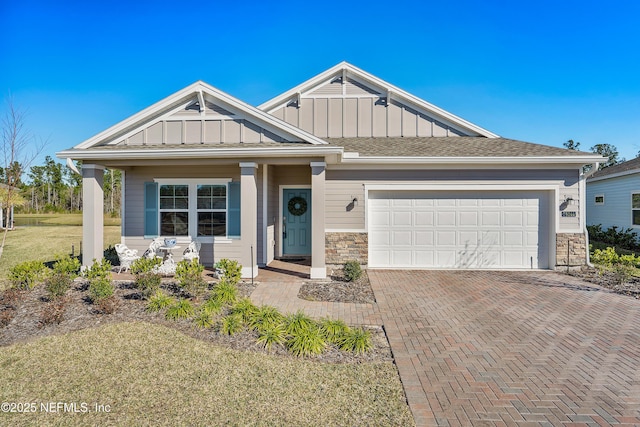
(198, 115)
(345, 102)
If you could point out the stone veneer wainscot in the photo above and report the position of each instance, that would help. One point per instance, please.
(341, 247)
(572, 246)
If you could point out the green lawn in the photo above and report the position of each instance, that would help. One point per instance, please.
(45, 242)
(152, 375)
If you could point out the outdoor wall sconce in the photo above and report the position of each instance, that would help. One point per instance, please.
(352, 204)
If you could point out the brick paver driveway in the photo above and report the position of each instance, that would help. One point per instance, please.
(511, 348)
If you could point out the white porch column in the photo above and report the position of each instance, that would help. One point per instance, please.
(92, 213)
(249, 221)
(318, 266)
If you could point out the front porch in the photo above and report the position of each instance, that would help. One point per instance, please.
(265, 221)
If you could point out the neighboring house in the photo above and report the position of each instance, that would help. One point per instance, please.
(344, 166)
(613, 196)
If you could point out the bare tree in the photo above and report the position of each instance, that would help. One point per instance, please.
(18, 148)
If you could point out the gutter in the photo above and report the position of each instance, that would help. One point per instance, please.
(583, 208)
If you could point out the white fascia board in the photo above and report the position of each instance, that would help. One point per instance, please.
(613, 175)
(181, 153)
(194, 90)
(362, 75)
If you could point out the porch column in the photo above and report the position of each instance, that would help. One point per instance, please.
(249, 219)
(318, 266)
(92, 213)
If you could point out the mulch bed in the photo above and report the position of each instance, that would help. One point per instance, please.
(609, 280)
(22, 314)
(338, 289)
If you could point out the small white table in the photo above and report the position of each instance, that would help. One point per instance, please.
(168, 251)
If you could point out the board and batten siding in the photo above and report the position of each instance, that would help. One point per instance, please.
(344, 185)
(346, 117)
(616, 210)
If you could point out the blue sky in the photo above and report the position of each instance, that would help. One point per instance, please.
(544, 71)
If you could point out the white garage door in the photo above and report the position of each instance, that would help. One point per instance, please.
(456, 229)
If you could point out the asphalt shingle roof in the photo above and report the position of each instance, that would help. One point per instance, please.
(620, 167)
(463, 146)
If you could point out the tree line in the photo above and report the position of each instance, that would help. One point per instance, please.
(52, 187)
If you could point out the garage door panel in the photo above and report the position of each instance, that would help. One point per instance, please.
(468, 219)
(423, 218)
(401, 238)
(513, 219)
(491, 218)
(445, 218)
(402, 218)
(423, 238)
(458, 229)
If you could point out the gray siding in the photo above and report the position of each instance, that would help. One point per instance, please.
(342, 186)
(134, 206)
(616, 209)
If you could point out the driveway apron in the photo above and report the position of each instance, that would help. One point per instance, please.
(511, 348)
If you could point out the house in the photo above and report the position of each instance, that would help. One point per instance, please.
(613, 196)
(344, 166)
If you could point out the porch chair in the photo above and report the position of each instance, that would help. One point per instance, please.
(126, 256)
(152, 251)
(192, 252)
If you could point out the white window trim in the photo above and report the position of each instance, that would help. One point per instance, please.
(595, 199)
(193, 204)
(633, 193)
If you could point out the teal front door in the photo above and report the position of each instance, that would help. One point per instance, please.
(296, 221)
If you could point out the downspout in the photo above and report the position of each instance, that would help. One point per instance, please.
(583, 206)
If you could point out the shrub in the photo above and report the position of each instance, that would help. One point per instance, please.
(357, 341)
(27, 275)
(6, 316)
(111, 255)
(145, 265)
(230, 270)
(297, 322)
(307, 341)
(605, 257)
(189, 276)
(352, 270)
(272, 333)
(57, 284)
(100, 269)
(624, 238)
(100, 289)
(203, 319)
(224, 292)
(334, 330)
(52, 313)
(182, 309)
(212, 306)
(232, 324)
(106, 305)
(266, 317)
(67, 265)
(147, 281)
(245, 308)
(159, 301)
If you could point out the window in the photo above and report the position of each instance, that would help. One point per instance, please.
(203, 208)
(174, 210)
(635, 208)
(212, 214)
(599, 199)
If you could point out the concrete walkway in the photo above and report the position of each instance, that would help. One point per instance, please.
(511, 348)
(280, 282)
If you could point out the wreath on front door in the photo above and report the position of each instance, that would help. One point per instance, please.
(297, 206)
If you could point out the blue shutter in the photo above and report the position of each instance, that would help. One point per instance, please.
(150, 209)
(233, 210)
